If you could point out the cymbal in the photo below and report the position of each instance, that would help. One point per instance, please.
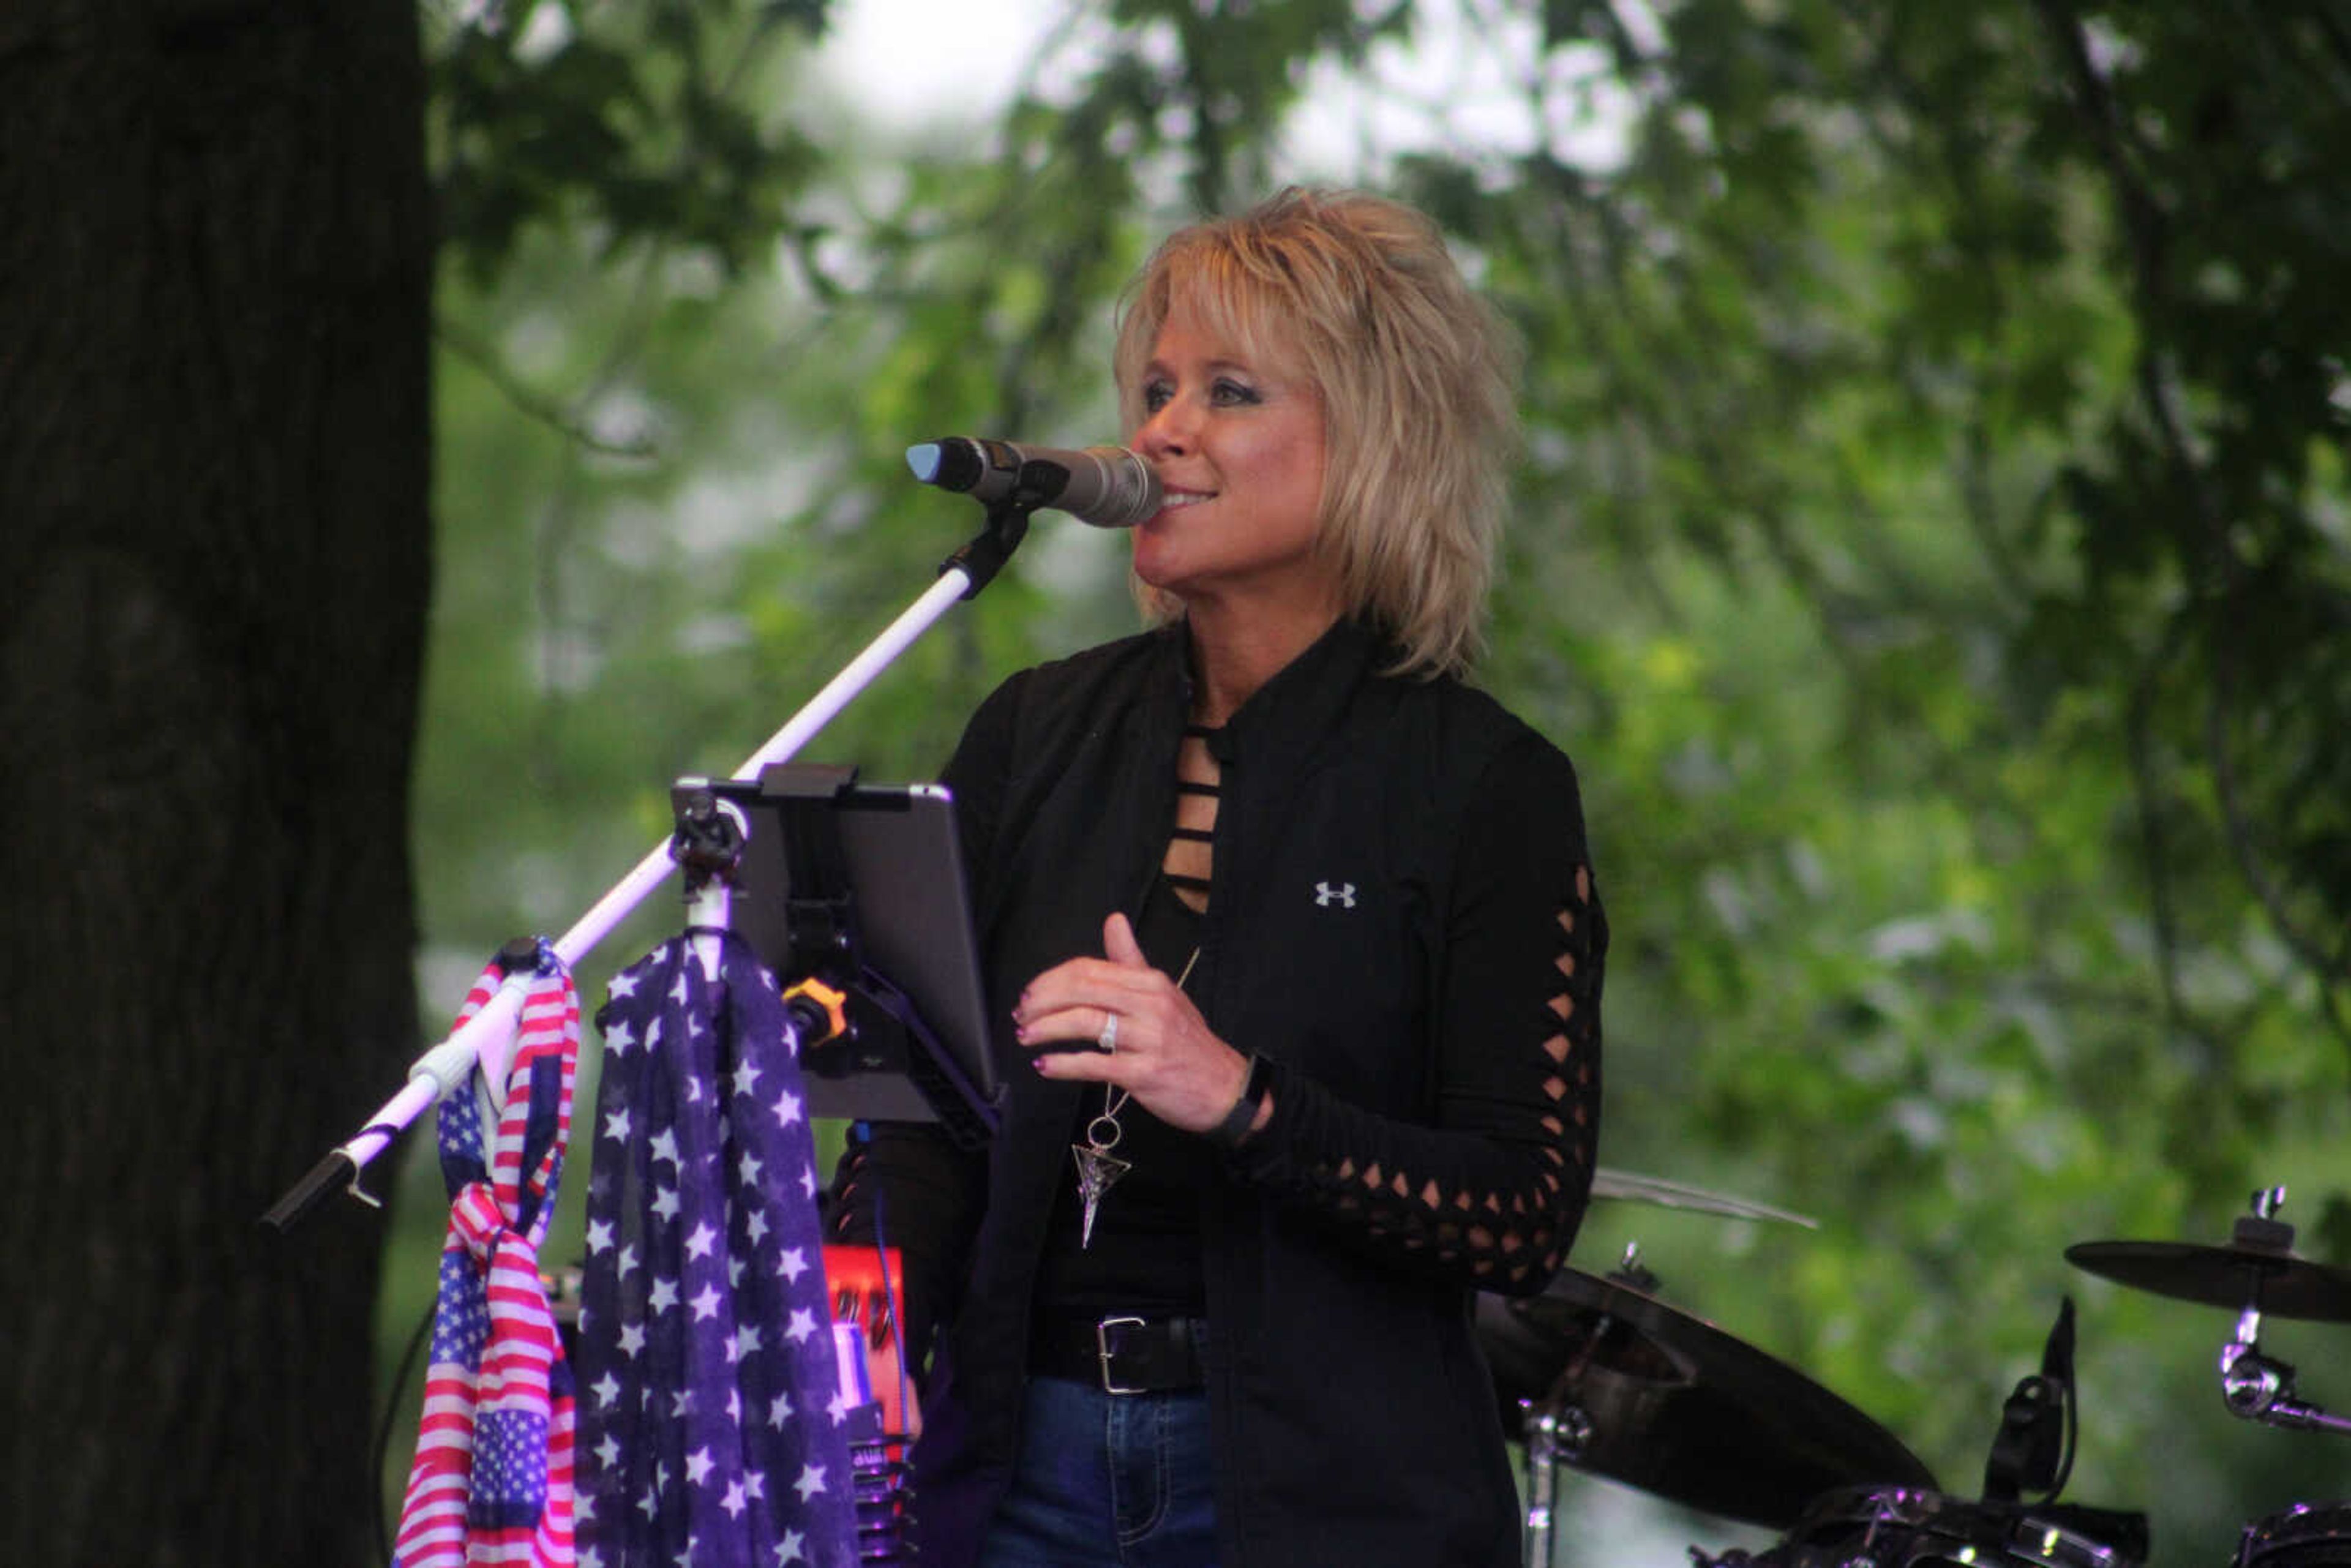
(1677, 1407)
(1606, 1183)
(2280, 1283)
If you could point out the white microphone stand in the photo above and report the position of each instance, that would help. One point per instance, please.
(487, 1038)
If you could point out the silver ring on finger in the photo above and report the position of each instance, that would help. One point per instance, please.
(1107, 1041)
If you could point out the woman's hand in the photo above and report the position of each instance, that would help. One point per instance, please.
(1161, 1050)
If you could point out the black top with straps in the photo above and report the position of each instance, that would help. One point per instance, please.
(1205, 838)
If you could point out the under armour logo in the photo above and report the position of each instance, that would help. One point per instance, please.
(1325, 895)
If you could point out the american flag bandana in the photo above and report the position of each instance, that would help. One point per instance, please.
(713, 1430)
(492, 1478)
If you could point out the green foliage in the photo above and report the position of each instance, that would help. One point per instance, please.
(1931, 547)
(622, 122)
(1964, 915)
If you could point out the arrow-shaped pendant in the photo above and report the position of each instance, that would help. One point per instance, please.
(1098, 1168)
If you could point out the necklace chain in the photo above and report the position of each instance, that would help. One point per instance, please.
(1114, 1099)
(1097, 1166)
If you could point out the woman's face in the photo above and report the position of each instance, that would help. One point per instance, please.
(1238, 444)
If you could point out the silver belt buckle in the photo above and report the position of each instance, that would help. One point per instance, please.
(1102, 1351)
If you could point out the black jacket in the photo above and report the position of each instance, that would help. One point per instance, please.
(1404, 922)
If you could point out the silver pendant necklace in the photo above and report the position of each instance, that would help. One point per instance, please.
(1098, 1167)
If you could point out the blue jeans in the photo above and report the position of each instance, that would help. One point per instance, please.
(1107, 1480)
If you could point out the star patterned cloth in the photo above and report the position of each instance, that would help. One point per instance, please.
(713, 1428)
(492, 1478)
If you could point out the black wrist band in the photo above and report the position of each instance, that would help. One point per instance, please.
(1238, 1120)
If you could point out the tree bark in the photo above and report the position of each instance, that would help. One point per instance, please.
(214, 451)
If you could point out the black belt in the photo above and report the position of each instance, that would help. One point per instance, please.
(1121, 1354)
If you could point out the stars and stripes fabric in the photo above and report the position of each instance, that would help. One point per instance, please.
(492, 1479)
(713, 1428)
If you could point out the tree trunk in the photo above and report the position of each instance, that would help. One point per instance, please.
(215, 449)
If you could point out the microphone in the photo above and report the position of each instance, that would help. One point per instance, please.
(1108, 487)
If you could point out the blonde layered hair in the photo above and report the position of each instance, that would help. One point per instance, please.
(1417, 378)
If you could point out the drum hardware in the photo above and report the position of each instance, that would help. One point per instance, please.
(1899, 1527)
(2032, 1451)
(2257, 1387)
(1605, 1376)
(2039, 1423)
(2257, 1273)
(2302, 1536)
(1557, 1435)
(1561, 1433)
(1552, 1436)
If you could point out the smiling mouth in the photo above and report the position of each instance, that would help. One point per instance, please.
(1175, 500)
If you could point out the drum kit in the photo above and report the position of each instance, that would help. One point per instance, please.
(1602, 1377)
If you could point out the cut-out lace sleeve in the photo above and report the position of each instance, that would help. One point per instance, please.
(1491, 1193)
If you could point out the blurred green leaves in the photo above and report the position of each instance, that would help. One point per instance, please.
(617, 123)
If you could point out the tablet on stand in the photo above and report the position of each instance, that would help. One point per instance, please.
(857, 892)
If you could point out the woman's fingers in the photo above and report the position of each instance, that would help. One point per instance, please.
(1118, 941)
(1116, 1019)
(1105, 1040)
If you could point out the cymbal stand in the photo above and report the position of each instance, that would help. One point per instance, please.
(1554, 1435)
(1560, 1431)
(2255, 1386)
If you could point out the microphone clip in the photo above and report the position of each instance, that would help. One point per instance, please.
(1005, 524)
